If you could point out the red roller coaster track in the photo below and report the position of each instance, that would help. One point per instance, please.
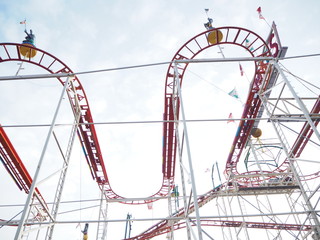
(15, 167)
(86, 129)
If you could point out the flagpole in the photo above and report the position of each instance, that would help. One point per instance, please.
(25, 24)
(206, 10)
(262, 17)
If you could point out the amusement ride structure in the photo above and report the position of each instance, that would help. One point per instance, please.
(247, 203)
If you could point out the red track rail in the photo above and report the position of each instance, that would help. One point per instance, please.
(238, 224)
(166, 226)
(87, 134)
(15, 166)
(235, 36)
(301, 142)
(163, 226)
(224, 223)
(306, 132)
(86, 131)
(251, 110)
(13, 163)
(199, 43)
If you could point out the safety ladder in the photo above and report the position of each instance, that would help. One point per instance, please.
(103, 213)
(66, 158)
(293, 167)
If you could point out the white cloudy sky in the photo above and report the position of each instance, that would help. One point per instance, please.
(90, 35)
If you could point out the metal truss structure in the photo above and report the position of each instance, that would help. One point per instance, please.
(275, 197)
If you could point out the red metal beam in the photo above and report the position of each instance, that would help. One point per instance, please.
(13, 163)
(86, 130)
(306, 132)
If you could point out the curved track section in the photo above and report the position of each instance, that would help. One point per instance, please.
(86, 130)
(15, 167)
(231, 35)
(253, 108)
(263, 80)
(87, 133)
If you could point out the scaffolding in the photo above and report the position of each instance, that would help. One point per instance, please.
(275, 196)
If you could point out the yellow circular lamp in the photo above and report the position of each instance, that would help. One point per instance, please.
(256, 132)
(215, 37)
(26, 51)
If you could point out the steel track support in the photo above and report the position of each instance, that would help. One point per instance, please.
(298, 100)
(194, 190)
(103, 211)
(180, 150)
(66, 158)
(312, 215)
(27, 206)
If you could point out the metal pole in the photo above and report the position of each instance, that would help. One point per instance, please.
(102, 226)
(311, 209)
(298, 100)
(34, 182)
(205, 60)
(212, 178)
(66, 158)
(194, 191)
(184, 193)
(128, 227)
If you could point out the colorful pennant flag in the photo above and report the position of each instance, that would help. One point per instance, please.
(259, 12)
(241, 70)
(247, 44)
(230, 118)
(234, 93)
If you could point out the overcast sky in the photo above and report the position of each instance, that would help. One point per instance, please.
(101, 34)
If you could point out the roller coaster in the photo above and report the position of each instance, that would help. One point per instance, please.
(286, 178)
